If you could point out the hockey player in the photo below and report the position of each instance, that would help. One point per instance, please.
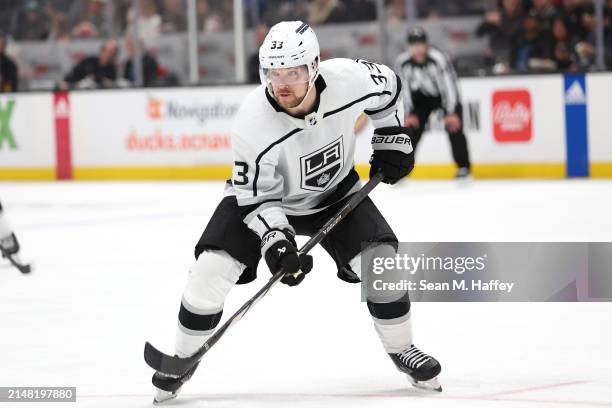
(431, 84)
(293, 145)
(9, 245)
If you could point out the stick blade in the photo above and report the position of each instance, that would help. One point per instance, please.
(153, 357)
(169, 365)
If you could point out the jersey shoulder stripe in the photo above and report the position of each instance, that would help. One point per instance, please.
(348, 105)
(393, 102)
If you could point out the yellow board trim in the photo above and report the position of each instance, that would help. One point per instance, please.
(600, 170)
(221, 172)
(523, 170)
(28, 174)
(484, 171)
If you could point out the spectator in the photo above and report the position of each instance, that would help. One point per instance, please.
(396, 12)
(279, 10)
(99, 69)
(608, 35)
(253, 64)
(8, 70)
(58, 12)
(32, 22)
(294, 10)
(7, 13)
(444, 8)
(225, 10)
(87, 18)
(562, 47)
(362, 10)
(174, 18)
(149, 64)
(572, 11)
(327, 11)
(546, 13)
(209, 21)
(585, 47)
(502, 27)
(149, 22)
(532, 49)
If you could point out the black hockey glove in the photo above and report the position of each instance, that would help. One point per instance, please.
(9, 245)
(279, 249)
(393, 153)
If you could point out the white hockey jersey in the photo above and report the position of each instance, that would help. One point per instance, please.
(296, 166)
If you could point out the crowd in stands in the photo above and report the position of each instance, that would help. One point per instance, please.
(65, 19)
(545, 35)
(522, 35)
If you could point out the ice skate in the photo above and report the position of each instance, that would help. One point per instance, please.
(422, 369)
(463, 173)
(9, 247)
(168, 387)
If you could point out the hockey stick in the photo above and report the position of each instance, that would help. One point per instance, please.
(23, 268)
(177, 366)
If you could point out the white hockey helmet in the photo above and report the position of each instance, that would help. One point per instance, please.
(289, 44)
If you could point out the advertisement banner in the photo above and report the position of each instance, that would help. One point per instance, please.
(599, 112)
(27, 136)
(161, 128)
(511, 119)
(576, 126)
(514, 127)
(63, 148)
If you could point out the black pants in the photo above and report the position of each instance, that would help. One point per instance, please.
(228, 232)
(424, 106)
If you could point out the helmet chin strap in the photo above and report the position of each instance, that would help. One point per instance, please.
(310, 88)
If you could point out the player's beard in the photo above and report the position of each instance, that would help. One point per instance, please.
(287, 98)
(288, 101)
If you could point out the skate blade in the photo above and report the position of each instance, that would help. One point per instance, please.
(163, 396)
(429, 385)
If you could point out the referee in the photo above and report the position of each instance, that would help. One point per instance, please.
(430, 83)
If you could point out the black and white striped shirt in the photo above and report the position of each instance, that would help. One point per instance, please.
(436, 77)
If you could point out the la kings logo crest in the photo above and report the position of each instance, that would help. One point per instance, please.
(320, 168)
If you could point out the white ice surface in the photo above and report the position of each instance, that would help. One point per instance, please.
(111, 261)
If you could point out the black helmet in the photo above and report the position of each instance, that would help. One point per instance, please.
(416, 35)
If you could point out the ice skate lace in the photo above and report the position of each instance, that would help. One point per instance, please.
(413, 357)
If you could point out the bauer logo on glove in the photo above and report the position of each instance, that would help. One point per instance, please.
(393, 142)
(393, 153)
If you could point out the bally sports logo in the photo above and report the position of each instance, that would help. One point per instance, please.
(512, 116)
(320, 168)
